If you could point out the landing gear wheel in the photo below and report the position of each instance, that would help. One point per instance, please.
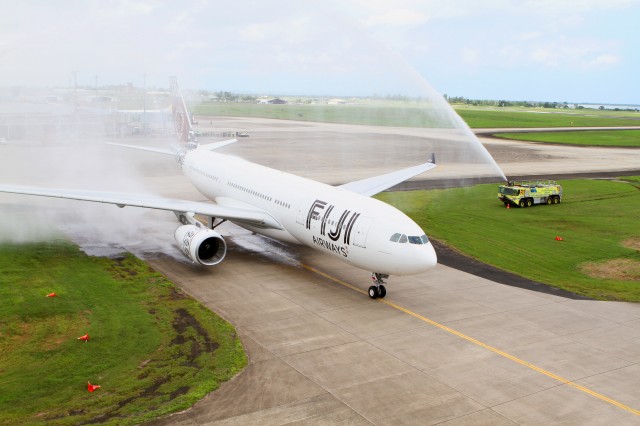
(382, 290)
(373, 292)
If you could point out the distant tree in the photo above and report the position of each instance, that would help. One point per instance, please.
(601, 107)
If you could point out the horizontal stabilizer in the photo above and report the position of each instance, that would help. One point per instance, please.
(374, 185)
(216, 145)
(145, 148)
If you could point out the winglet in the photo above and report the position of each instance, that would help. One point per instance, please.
(432, 160)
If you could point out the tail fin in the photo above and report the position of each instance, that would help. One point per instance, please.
(181, 118)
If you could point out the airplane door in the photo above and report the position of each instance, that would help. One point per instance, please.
(361, 230)
(303, 210)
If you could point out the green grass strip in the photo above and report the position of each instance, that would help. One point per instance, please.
(615, 138)
(482, 118)
(152, 349)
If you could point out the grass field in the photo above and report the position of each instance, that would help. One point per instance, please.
(413, 114)
(152, 349)
(598, 220)
(478, 118)
(593, 138)
(380, 114)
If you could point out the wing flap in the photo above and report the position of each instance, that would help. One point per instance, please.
(255, 217)
(376, 184)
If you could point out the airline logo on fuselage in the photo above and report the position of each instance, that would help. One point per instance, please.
(321, 210)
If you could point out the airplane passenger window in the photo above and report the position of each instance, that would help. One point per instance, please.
(403, 238)
(395, 238)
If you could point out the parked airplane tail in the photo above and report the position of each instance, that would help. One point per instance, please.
(181, 118)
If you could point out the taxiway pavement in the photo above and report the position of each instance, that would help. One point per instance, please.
(444, 347)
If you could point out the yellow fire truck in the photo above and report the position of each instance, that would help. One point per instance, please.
(528, 193)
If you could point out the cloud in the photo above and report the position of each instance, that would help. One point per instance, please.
(396, 17)
(529, 36)
(575, 54)
(605, 60)
(470, 55)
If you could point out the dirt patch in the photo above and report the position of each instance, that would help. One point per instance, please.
(192, 339)
(616, 269)
(632, 243)
(182, 322)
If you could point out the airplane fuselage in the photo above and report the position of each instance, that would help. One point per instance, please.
(360, 230)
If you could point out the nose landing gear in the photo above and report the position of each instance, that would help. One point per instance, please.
(378, 289)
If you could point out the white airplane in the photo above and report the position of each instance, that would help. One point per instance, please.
(343, 221)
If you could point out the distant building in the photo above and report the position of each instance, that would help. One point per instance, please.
(274, 101)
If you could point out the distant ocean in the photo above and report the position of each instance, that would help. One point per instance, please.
(607, 106)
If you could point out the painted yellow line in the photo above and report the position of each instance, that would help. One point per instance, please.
(481, 344)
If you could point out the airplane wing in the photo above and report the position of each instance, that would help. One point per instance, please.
(374, 185)
(209, 147)
(254, 217)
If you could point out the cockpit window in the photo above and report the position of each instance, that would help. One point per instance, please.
(419, 240)
(402, 238)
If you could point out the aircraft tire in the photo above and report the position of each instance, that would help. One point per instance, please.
(383, 291)
(373, 292)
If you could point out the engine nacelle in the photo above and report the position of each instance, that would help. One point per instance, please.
(202, 245)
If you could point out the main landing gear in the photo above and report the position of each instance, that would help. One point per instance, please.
(378, 289)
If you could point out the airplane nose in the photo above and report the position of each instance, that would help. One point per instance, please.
(430, 258)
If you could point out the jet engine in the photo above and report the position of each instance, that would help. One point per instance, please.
(202, 245)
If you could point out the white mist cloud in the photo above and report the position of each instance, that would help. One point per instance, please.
(397, 17)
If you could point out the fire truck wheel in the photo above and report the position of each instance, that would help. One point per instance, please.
(529, 202)
(549, 200)
(522, 203)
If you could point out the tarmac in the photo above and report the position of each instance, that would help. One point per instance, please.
(445, 347)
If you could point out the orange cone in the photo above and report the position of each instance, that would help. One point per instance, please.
(91, 387)
(85, 337)
(508, 205)
(52, 295)
(559, 238)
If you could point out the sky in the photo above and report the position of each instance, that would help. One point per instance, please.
(537, 50)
